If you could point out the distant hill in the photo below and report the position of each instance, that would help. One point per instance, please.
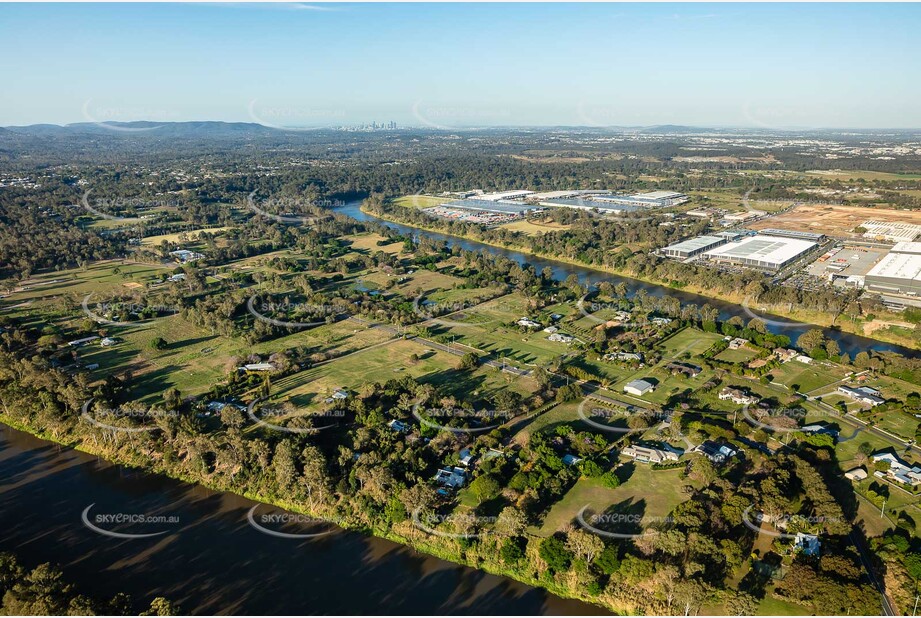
(211, 129)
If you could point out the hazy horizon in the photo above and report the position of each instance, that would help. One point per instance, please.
(741, 66)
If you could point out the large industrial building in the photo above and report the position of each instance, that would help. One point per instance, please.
(589, 204)
(764, 252)
(506, 208)
(503, 195)
(899, 272)
(812, 236)
(693, 246)
(653, 199)
(891, 231)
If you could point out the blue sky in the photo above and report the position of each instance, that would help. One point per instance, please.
(453, 65)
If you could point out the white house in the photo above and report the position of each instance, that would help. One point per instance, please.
(258, 367)
(862, 394)
(737, 396)
(79, 342)
(649, 455)
(528, 323)
(898, 470)
(639, 387)
(560, 337)
(451, 477)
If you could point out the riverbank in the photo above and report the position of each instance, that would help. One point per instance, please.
(407, 535)
(818, 319)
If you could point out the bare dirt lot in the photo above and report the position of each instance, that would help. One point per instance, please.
(834, 220)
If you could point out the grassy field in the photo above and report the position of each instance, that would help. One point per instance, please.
(647, 492)
(690, 342)
(367, 244)
(740, 355)
(420, 201)
(728, 199)
(861, 175)
(487, 328)
(808, 377)
(96, 278)
(191, 235)
(532, 228)
(393, 360)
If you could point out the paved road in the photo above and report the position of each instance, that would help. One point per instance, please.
(865, 558)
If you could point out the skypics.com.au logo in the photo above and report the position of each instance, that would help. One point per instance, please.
(106, 117)
(105, 208)
(788, 526)
(458, 117)
(114, 313)
(618, 315)
(327, 419)
(453, 526)
(113, 525)
(601, 417)
(431, 311)
(289, 210)
(294, 117)
(472, 421)
(305, 315)
(784, 420)
(124, 419)
(276, 523)
(617, 525)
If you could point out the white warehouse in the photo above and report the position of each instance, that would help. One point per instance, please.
(765, 252)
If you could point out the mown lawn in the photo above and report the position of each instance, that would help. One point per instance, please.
(647, 492)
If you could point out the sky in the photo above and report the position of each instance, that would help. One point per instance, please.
(464, 65)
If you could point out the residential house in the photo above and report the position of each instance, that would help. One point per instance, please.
(399, 426)
(258, 367)
(107, 342)
(184, 256)
(570, 460)
(560, 337)
(660, 321)
(737, 396)
(649, 455)
(465, 457)
(453, 478)
(898, 471)
(691, 371)
(76, 343)
(818, 428)
(808, 544)
(862, 394)
(528, 323)
(551, 329)
(716, 452)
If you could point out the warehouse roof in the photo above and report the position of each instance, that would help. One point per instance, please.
(693, 244)
(906, 247)
(771, 249)
(897, 266)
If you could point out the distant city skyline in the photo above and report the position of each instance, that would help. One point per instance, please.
(450, 66)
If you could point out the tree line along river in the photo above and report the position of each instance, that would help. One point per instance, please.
(210, 559)
(848, 342)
